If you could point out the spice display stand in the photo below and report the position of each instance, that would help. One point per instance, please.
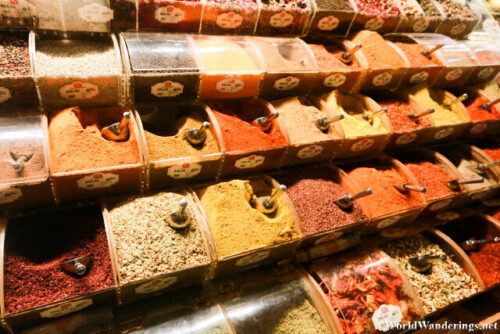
(17, 15)
(331, 19)
(454, 25)
(170, 15)
(375, 19)
(222, 17)
(487, 58)
(284, 20)
(484, 127)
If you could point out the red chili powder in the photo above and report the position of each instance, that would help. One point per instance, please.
(432, 177)
(493, 153)
(36, 246)
(487, 57)
(487, 261)
(386, 199)
(398, 113)
(477, 113)
(414, 54)
(328, 57)
(235, 120)
(496, 215)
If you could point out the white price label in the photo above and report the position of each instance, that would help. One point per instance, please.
(328, 23)
(485, 73)
(406, 138)
(362, 145)
(66, 308)
(440, 205)
(281, 20)
(10, 195)
(251, 161)
(334, 80)
(454, 74)
(184, 171)
(458, 29)
(230, 85)
(388, 222)
(229, 20)
(309, 151)
(79, 91)
(448, 215)
(169, 14)
(420, 25)
(386, 317)
(4, 94)
(374, 24)
(478, 128)
(167, 89)
(95, 13)
(382, 79)
(98, 180)
(252, 259)
(441, 134)
(419, 77)
(287, 83)
(155, 285)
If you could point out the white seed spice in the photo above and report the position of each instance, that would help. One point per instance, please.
(146, 245)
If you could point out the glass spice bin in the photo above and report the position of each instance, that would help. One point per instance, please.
(236, 17)
(170, 15)
(331, 18)
(17, 14)
(488, 61)
(160, 67)
(283, 18)
(170, 157)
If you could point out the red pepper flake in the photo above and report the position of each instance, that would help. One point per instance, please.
(477, 113)
(433, 178)
(399, 112)
(493, 153)
(487, 261)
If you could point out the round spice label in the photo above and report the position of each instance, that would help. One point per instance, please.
(382, 79)
(328, 23)
(309, 151)
(169, 14)
(167, 89)
(4, 94)
(252, 258)
(281, 20)
(448, 215)
(251, 161)
(492, 202)
(386, 317)
(454, 74)
(440, 205)
(184, 171)
(406, 138)
(229, 20)
(79, 91)
(230, 85)
(388, 222)
(95, 13)
(66, 308)
(420, 25)
(419, 77)
(155, 285)
(287, 83)
(374, 24)
(478, 128)
(362, 145)
(443, 133)
(458, 29)
(485, 73)
(98, 180)
(334, 80)
(329, 237)
(10, 195)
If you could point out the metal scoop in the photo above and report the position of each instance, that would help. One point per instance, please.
(369, 116)
(118, 131)
(461, 98)
(414, 117)
(405, 188)
(481, 168)
(20, 160)
(487, 106)
(472, 244)
(428, 53)
(324, 123)
(455, 184)
(267, 204)
(266, 123)
(423, 263)
(197, 137)
(347, 201)
(346, 57)
(180, 219)
(78, 266)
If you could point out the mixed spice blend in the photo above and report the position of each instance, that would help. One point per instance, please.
(378, 53)
(456, 9)
(399, 112)
(272, 9)
(235, 16)
(478, 114)
(14, 56)
(383, 8)
(433, 177)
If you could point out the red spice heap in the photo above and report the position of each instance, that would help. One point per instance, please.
(477, 113)
(235, 120)
(399, 112)
(496, 215)
(487, 261)
(493, 153)
(432, 177)
(414, 54)
(35, 248)
(313, 193)
(328, 57)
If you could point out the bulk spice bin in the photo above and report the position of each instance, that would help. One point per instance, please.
(124, 15)
(170, 155)
(367, 291)
(153, 251)
(17, 83)
(170, 15)
(488, 61)
(17, 14)
(24, 171)
(331, 18)
(42, 256)
(290, 68)
(160, 67)
(310, 137)
(485, 120)
(315, 194)
(237, 17)
(283, 18)
(83, 163)
(459, 18)
(383, 16)
(231, 67)
(249, 147)
(77, 72)
(422, 16)
(244, 236)
(365, 126)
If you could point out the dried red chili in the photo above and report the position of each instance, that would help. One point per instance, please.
(399, 112)
(477, 113)
(432, 177)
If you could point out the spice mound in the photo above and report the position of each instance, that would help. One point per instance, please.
(298, 119)
(386, 199)
(328, 58)
(382, 8)
(146, 246)
(399, 113)
(455, 9)
(14, 56)
(37, 246)
(478, 114)
(236, 225)
(413, 52)
(432, 177)
(359, 286)
(222, 56)
(377, 51)
(493, 153)
(235, 121)
(77, 144)
(313, 193)
(487, 261)
(446, 282)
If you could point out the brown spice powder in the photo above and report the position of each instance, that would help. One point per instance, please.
(377, 52)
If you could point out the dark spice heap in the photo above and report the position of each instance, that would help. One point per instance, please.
(432, 177)
(340, 5)
(14, 56)
(382, 8)
(413, 52)
(124, 14)
(313, 193)
(454, 9)
(478, 114)
(36, 246)
(399, 112)
(327, 57)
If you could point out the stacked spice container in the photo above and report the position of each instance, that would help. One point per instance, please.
(237, 17)
(16, 14)
(484, 113)
(284, 18)
(459, 18)
(124, 15)
(413, 18)
(487, 58)
(170, 15)
(331, 18)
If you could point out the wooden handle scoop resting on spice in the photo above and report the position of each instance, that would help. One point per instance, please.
(428, 53)
(487, 106)
(267, 204)
(78, 266)
(405, 188)
(422, 114)
(472, 244)
(482, 168)
(197, 137)
(323, 123)
(370, 116)
(20, 159)
(423, 263)
(346, 57)
(266, 123)
(461, 98)
(455, 184)
(118, 131)
(180, 219)
(347, 201)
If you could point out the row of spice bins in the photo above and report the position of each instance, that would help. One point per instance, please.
(316, 18)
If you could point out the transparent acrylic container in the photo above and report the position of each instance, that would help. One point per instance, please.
(289, 19)
(290, 67)
(170, 15)
(456, 26)
(24, 180)
(231, 67)
(49, 16)
(163, 127)
(419, 17)
(433, 13)
(376, 20)
(17, 14)
(92, 16)
(331, 18)
(160, 67)
(230, 17)
(488, 61)
(124, 15)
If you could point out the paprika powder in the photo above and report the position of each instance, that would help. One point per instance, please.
(478, 114)
(432, 177)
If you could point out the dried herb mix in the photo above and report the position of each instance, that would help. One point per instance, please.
(14, 56)
(234, 16)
